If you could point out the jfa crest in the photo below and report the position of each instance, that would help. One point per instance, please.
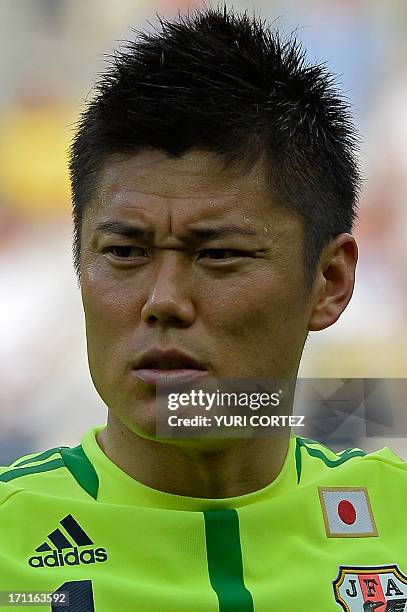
(365, 589)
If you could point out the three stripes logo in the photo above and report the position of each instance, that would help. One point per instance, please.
(62, 551)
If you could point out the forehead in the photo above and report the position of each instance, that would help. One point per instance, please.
(193, 187)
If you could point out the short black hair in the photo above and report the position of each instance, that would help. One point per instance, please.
(229, 83)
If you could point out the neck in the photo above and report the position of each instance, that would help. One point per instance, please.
(228, 468)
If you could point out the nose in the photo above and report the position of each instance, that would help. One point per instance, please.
(169, 301)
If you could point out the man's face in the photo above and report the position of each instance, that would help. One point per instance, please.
(215, 270)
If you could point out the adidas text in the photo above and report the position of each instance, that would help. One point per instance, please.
(73, 557)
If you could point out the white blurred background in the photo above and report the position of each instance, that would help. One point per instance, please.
(51, 52)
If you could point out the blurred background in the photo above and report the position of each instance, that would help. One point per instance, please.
(51, 51)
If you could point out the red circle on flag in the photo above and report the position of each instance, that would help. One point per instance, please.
(347, 512)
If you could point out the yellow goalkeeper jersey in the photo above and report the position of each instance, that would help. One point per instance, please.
(77, 534)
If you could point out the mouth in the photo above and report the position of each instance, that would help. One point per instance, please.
(167, 368)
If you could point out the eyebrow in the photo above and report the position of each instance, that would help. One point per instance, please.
(123, 229)
(205, 233)
(197, 233)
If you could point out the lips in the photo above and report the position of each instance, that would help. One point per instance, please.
(168, 360)
(168, 367)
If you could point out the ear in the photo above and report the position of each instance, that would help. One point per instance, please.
(334, 281)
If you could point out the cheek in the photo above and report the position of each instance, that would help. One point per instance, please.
(255, 306)
(108, 302)
(260, 319)
(111, 318)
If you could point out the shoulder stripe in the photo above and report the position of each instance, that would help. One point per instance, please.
(40, 457)
(74, 459)
(81, 469)
(316, 452)
(31, 469)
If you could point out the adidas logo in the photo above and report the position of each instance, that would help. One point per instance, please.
(60, 542)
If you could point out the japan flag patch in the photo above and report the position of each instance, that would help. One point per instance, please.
(347, 512)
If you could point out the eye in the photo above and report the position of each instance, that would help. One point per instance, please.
(126, 252)
(220, 254)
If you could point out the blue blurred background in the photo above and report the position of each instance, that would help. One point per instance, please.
(51, 53)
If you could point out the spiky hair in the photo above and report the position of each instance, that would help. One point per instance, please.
(228, 83)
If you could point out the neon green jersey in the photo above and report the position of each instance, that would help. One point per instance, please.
(327, 534)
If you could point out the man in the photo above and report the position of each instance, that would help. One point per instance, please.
(214, 193)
